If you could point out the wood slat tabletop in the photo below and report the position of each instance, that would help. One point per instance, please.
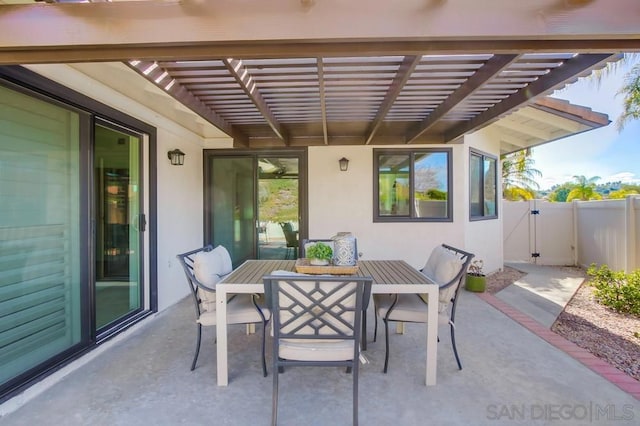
(381, 271)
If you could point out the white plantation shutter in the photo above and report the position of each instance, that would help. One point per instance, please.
(39, 232)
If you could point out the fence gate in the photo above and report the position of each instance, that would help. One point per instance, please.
(538, 232)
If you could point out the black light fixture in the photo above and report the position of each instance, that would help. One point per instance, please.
(344, 164)
(176, 156)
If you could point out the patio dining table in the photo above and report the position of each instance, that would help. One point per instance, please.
(388, 276)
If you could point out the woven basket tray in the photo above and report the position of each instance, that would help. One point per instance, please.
(304, 267)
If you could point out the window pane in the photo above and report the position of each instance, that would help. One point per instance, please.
(232, 212)
(393, 185)
(475, 182)
(489, 186)
(39, 232)
(117, 211)
(431, 186)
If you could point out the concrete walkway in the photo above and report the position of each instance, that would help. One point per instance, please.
(513, 373)
(543, 292)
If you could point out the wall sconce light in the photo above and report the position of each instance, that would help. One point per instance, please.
(176, 156)
(344, 164)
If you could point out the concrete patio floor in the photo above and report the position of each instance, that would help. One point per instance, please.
(510, 376)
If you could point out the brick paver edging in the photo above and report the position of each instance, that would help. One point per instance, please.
(606, 370)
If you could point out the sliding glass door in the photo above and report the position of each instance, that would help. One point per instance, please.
(118, 224)
(254, 203)
(74, 257)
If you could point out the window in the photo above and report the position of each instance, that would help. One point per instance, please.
(482, 186)
(412, 185)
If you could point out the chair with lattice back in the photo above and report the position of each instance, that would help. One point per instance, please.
(316, 322)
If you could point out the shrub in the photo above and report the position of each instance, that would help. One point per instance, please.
(616, 289)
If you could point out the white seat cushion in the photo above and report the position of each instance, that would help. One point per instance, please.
(316, 350)
(410, 308)
(240, 310)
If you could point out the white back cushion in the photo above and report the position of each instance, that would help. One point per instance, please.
(225, 260)
(430, 267)
(443, 265)
(209, 267)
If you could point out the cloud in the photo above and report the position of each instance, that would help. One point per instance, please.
(624, 177)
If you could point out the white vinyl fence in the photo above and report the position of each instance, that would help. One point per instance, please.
(576, 233)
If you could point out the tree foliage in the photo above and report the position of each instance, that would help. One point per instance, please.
(622, 193)
(631, 88)
(519, 176)
(278, 200)
(631, 93)
(584, 189)
(560, 193)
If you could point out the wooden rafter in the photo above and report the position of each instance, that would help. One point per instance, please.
(244, 79)
(402, 76)
(555, 78)
(323, 101)
(182, 95)
(493, 67)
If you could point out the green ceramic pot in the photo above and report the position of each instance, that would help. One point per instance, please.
(476, 283)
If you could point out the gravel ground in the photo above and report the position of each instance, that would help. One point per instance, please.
(613, 337)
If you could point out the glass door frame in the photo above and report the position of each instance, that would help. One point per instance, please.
(300, 153)
(140, 223)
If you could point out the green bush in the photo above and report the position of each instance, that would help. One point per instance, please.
(616, 289)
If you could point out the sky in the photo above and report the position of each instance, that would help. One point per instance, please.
(605, 152)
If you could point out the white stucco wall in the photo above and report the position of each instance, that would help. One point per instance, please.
(484, 237)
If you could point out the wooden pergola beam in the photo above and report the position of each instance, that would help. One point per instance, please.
(490, 69)
(187, 29)
(242, 76)
(554, 79)
(182, 95)
(323, 101)
(107, 52)
(403, 74)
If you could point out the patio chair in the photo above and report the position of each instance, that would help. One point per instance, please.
(204, 268)
(446, 267)
(316, 322)
(291, 238)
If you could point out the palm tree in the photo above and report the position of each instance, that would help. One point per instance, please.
(631, 88)
(631, 92)
(519, 176)
(585, 189)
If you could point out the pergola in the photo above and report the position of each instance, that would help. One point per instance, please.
(327, 72)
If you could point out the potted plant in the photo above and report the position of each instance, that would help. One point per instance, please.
(319, 254)
(476, 280)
